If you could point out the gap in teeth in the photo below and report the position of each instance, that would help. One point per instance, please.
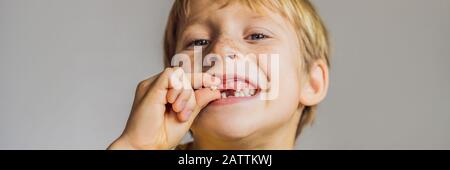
(237, 93)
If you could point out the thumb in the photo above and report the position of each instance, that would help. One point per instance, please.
(205, 96)
(201, 97)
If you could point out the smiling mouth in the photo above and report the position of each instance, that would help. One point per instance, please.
(238, 93)
(234, 90)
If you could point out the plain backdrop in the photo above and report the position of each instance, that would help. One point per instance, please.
(69, 68)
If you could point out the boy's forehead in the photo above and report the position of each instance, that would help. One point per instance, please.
(208, 7)
(203, 9)
(201, 5)
(218, 14)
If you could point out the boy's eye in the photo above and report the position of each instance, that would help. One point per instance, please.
(200, 42)
(258, 36)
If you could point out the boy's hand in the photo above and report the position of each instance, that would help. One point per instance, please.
(164, 108)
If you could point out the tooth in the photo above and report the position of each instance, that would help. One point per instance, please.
(246, 92)
(224, 95)
(237, 94)
(252, 92)
(242, 94)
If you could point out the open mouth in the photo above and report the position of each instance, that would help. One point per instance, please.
(237, 93)
(235, 90)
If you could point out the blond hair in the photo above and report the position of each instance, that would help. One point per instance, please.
(311, 32)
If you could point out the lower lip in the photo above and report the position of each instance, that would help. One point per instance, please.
(232, 100)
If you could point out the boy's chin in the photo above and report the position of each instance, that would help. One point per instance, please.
(225, 131)
(227, 126)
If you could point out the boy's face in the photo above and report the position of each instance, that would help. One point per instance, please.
(236, 29)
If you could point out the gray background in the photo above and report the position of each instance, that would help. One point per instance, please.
(68, 70)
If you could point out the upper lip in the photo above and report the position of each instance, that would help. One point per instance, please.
(252, 82)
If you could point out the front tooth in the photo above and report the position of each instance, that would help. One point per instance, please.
(252, 92)
(236, 93)
(242, 94)
(224, 95)
(246, 92)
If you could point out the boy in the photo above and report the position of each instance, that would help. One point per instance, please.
(222, 108)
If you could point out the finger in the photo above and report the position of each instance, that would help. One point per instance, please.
(178, 82)
(192, 109)
(177, 78)
(173, 94)
(200, 98)
(205, 96)
(182, 100)
(161, 86)
(198, 101)
(185, 115)
(163, 81)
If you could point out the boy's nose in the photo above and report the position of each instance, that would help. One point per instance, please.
(222, 51)
(225, 48)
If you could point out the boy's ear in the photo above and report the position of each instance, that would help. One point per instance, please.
(315, 88)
